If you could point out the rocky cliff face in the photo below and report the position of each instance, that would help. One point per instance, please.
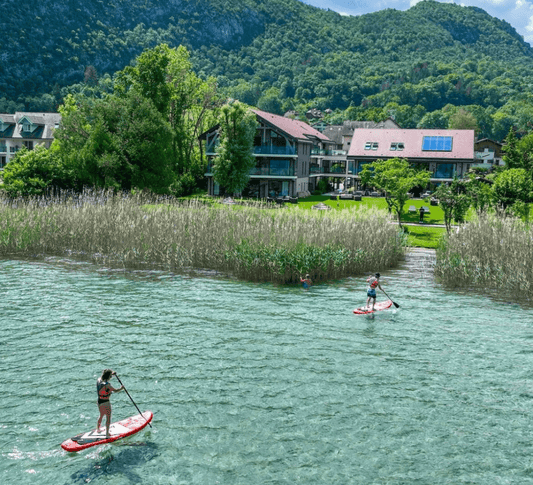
(59, 38)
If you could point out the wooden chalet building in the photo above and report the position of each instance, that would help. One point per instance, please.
(283, 148)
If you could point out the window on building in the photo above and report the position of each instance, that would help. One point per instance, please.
(26, 127)
(444, 171)
(375, 146)
(368, 145)
(437, 143)
(360, 166)
(396, 146)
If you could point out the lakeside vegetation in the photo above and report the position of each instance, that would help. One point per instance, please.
(249, 242)
(492, 251)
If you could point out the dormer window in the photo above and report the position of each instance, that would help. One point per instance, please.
(26, 127)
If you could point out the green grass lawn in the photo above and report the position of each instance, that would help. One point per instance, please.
(436, 215)
(425, 236)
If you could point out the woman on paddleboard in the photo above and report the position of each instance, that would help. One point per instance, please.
(373, 283)
(104, 390)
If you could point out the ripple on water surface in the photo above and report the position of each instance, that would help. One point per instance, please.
(255, 383)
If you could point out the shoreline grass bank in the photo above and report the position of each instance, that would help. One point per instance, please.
(492, 251)
(251, 243)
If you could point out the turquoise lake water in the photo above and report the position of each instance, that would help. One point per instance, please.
(261, 384)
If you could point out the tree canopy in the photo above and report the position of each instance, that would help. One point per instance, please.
(143, 134)
(235, 158)
(396, 178)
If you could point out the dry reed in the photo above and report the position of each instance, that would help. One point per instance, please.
(493, 251)
(250, 242)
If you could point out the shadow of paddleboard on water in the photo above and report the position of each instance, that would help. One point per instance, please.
(118, 462)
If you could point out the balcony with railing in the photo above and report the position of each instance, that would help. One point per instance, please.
(272, 169)
(328, 168)
(327, 153)
(274, 150)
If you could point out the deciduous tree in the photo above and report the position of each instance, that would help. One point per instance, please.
(396, 177)
(453, 202)
(235, 158)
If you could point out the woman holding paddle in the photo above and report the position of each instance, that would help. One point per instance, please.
(104, 390)
(373, 283)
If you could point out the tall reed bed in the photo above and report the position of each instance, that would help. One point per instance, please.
(492, 251)
(251, 242)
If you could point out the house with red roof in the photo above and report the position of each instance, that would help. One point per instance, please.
(444, 153)
(282, 149)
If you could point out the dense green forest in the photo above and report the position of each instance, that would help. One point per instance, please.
(417, 66)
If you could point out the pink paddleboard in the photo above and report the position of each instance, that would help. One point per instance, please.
(117, 430)
(382, 305)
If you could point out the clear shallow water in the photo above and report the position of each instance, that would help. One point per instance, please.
(258, 384)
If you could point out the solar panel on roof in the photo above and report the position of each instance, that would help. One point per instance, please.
(437, 143)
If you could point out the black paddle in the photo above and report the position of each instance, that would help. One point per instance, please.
(395, 304)
(118, 378)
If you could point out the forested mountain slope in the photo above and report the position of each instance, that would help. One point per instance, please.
(271, 53)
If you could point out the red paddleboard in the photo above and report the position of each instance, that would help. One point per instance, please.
(382, 305)
(117, 430)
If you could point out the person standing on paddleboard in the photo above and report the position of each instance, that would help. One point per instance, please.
(373, 283)
(104, 390)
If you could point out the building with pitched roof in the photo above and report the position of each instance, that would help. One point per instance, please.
(444, 153)
(488, 153)
(282, 148)
(333, 161)
(25, 130)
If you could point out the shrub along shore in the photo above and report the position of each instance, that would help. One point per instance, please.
(491, 251)
(251, 242)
